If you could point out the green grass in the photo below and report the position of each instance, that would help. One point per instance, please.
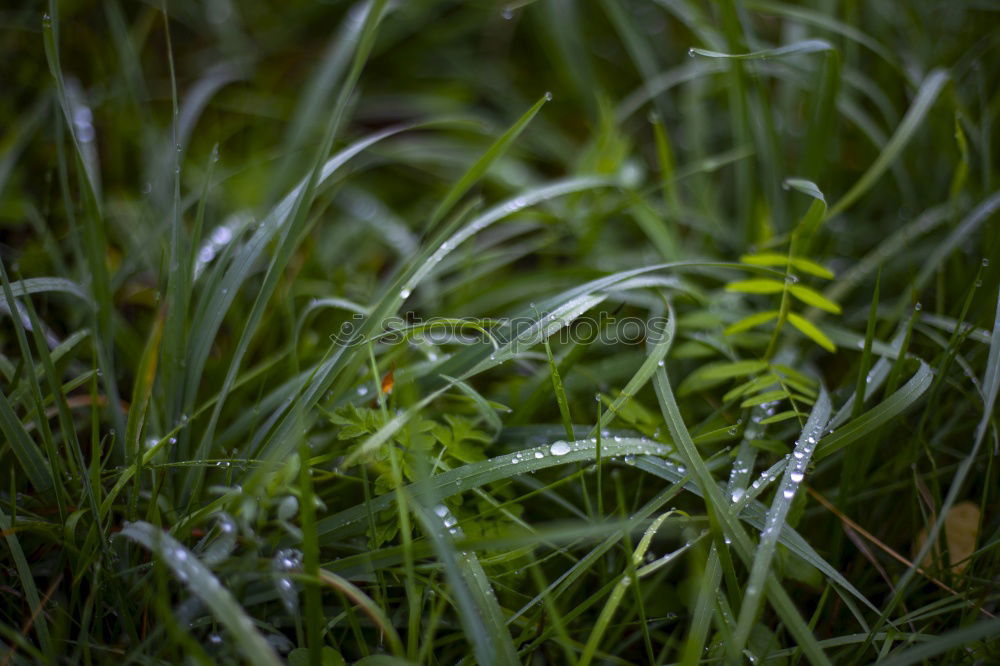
(305, 348)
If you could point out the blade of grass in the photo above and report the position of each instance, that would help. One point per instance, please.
(776, 517)
(200, 581)
(926, 95)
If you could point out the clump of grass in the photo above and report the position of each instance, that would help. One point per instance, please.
(546, 332)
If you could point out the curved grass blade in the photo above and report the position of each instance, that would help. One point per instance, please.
(886, 410)
(479, 611)
(820, 20)
(798, 48)
(984, 211)
(27, 578)
(959, 639)
(363, 601)
(50, 284)
(621, 587)
(775, 522)
(480, 167)
(991, 387)
(202, 583)
(926, 95)
(434, 489)
(716, 505)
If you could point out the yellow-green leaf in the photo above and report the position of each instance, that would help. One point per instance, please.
(753, 320)
(811, 267)
(814, 298)
(811, 331)
(765, 259)
(766, 396)
(777, 418)
(776, 259)
(716, 373)
(759, 286)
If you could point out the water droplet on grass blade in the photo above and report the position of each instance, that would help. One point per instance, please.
(559, 448)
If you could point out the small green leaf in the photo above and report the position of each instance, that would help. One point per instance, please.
(765, 259)
(775, 259)
(767, 396)
(811, 331)
(716, 373)
(812, 268)
(814, 298)
(752, 386)
(752, 321)
(758, 286)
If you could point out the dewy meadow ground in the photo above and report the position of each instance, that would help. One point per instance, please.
(541, 332)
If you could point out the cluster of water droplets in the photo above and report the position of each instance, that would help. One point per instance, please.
(83, 123)
(561, 448)
(217, 241)
(222, 546)
(765, 479)
(285, 561)
(151, 442)
(797, 463)
(448, 520)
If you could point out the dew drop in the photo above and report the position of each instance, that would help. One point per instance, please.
(539, 454)
(788, 493)
(559, 448)
(548, 96)
(404, 293)
(797, 477)
(691, 52)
